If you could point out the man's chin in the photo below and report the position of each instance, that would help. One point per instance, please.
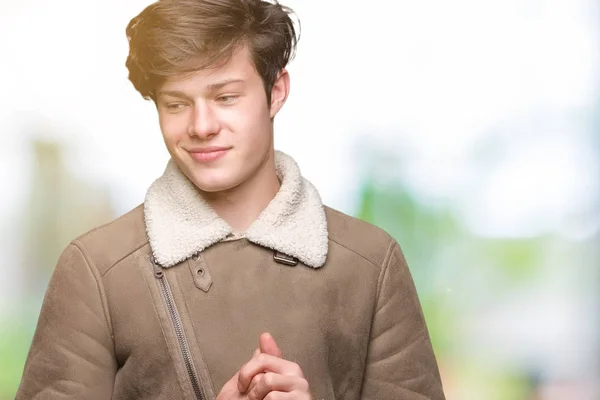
(211, 179)
(214, 185)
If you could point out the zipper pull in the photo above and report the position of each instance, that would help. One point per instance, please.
(158, 272)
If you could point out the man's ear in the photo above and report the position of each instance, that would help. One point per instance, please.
(280, 91)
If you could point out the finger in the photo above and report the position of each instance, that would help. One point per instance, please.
(288, 396)
(256, 377)
(269, 346)
(272, 382)
(266, 363)
(255, 381)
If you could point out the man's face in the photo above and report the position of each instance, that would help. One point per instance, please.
(216, 123)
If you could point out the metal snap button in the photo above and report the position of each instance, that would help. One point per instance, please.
(285, 259)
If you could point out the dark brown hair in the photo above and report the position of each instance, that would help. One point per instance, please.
(174, 37)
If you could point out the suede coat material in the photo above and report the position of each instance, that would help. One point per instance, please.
(167, 302)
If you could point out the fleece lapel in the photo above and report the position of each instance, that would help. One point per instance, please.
(180, 223)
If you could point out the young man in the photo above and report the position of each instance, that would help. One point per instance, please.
(232, 280)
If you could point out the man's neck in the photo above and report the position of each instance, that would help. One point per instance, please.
(241, 206)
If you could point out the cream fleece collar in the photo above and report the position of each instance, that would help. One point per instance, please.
(180, 223)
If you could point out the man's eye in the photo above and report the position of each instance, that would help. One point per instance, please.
(227, 99)
(175, 106)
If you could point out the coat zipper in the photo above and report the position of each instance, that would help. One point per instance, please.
(183, 345)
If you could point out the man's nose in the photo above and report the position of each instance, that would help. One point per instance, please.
(204, 123)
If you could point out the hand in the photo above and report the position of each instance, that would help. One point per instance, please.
(267, 376)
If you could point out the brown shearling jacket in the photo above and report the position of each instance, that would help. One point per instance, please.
(166, 302)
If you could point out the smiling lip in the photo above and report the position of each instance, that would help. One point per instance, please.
(207, 154)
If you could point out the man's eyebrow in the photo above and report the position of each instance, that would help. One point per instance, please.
(213, 87)
(219, 85)
(172, 93)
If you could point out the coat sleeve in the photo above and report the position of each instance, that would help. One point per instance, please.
(400, 361)
(72, 353)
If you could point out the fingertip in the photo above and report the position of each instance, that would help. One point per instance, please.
(241, 385)
(263, 341)
(266, 336)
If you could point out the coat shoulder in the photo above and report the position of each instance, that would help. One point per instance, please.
(358, 236)
(110, 243)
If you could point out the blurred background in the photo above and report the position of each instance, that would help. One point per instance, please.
(469, 130)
